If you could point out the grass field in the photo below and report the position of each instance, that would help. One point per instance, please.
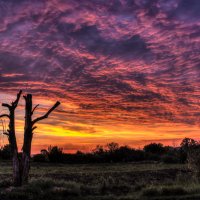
(102, 181)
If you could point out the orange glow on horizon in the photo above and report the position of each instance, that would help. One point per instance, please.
(72, 135)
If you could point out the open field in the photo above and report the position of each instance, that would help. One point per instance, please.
(102, 181)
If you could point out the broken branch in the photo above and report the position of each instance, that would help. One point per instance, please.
(47, 114)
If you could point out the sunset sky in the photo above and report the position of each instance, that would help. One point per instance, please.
(124, 70)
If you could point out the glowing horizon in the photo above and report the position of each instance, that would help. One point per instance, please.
(125, 71)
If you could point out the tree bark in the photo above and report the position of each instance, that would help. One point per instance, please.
(14, 149)
(28, 135)
(16, 170)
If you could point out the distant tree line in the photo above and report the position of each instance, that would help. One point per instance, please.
(113, 153)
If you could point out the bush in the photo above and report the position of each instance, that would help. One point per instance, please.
(169, 159)
(186, 146)
(40, 158)
(154, 148)
(194, 161)
(55, 154)
(153, 157)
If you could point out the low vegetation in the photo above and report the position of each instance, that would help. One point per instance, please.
(110, 172)
(101, 181)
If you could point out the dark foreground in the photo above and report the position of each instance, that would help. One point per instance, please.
(102, 181)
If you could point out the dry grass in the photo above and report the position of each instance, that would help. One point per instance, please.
(111, 181)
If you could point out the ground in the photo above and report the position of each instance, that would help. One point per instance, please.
(102, 182)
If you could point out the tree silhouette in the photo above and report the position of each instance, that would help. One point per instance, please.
(21, 165)
(156, 148)
(112, 147)
(55, 154)
(12, 138)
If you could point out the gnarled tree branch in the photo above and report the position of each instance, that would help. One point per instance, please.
(5, 133)
(6, 105)
(5, 115)
(34, 108)
(15, 103)
(34, 128)
(47, 114)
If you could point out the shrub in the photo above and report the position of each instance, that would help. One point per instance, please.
(153, 157)
(112, 147)
(55, 154)
(39, 158)
(154, 148)
(186, 146)
(169, 159)
(194, 161)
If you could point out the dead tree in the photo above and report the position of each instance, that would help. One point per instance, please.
(28, 132)
(21, 166)
(12, 138)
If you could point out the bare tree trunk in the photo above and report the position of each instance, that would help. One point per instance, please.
(26, 168)
(16, 170)
(14, 150)
(28, 135)
(12, 140)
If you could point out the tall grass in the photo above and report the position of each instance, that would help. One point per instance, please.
(101, 185)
